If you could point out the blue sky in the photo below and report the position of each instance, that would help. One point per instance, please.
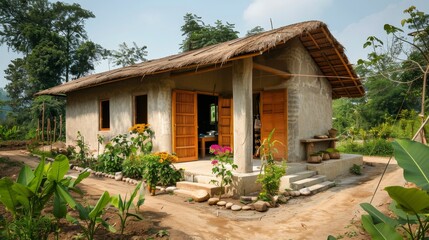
(156, 24)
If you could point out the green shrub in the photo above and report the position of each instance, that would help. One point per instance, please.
(134, 167)
(374, 147)
(356, 169)
(160, 170)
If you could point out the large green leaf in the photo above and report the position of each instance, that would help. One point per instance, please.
(7, 195)
(377, 216)
(380, 231)
(79, 178)
(411, 200)
(25, 175)
(403, 217)
(22, 190)
(413, 157)
(38, 176)
(59, 168)
(101, 204)
(65, 195)
(60, 207)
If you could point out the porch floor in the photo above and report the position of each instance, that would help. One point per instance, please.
(331, 168)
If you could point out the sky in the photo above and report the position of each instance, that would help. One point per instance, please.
(156, 23)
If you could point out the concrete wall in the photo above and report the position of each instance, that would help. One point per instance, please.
(309, 97)
(82, 113)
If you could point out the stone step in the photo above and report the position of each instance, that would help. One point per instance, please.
(285, 181)
(204, 179)
(193, 186)
(307, 182)
(320, 187)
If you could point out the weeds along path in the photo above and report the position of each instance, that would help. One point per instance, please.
(335, 211)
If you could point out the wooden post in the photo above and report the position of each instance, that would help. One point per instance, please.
(61, 126)
(48, 130)
(55, 128)
(43, 121)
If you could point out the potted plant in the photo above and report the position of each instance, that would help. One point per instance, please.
(332, 133)
(333, 153)
(325, 155)
(314, 158)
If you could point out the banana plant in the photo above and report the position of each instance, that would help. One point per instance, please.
(34, 188)
(123, 206)
(91, 217)
(410, 205)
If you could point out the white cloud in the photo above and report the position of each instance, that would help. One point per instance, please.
(283, 11)
(354, 35)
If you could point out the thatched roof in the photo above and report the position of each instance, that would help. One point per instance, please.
(326, 51)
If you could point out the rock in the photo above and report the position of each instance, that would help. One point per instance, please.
(213, 201)
(287, 193)
(221, 203)
(170, 189)
(246, 208)
(229, 205)
(118, 176)
(282, 199)
(200, 196)
(305, 191)
(248, 198)
(261, 206)
(235, 207)
(296, 193)
(161, 189)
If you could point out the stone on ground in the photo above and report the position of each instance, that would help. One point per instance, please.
(246, 208)
(305, 191)
(200, 196)
(235, 207)
(213, 201)
(261, 206)
(229, 205)
(221, 203)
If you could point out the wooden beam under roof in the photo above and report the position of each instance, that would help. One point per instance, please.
(272, 70)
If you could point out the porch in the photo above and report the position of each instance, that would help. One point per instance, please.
(244, 183)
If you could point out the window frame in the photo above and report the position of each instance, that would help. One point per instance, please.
(134, 120)
(100, 115)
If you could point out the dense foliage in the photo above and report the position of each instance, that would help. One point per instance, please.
(392, 106)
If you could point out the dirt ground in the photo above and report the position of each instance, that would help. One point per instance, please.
(333, 212)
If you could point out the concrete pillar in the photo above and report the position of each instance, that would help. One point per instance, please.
(243, 114)
(159, 113)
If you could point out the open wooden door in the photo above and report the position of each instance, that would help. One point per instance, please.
(185, 124)
(274, 115)
(225, 128)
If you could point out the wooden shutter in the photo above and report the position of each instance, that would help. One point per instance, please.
(225, 128)
(274, 115)
(185, 136)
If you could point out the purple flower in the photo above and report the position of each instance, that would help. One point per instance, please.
(227, 149)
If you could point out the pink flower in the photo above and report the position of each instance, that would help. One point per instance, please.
(215, 149)
(227, 149)
(215, 161)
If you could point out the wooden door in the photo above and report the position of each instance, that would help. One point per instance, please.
(185, 124)
(225, 127)
(274, 115)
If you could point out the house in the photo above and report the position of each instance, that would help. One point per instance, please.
(285, 79)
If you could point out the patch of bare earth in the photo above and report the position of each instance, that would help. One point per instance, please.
(333, 212)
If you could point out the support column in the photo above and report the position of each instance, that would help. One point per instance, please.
(159, 113)
(243, 114)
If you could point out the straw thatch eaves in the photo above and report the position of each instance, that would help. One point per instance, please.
(325, 50)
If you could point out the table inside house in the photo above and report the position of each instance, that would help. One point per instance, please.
(309, 144)
(202, 144)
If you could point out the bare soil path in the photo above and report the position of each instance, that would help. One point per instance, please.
(333, 212)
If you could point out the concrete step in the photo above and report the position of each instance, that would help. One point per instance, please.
(193, 186)
(204, 179)
(307, 182)
(285, 181)
(320, 187)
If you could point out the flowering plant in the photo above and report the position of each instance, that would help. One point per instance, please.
(223, 165)
(141, 138)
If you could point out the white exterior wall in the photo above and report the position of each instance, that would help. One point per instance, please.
(82, 112)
